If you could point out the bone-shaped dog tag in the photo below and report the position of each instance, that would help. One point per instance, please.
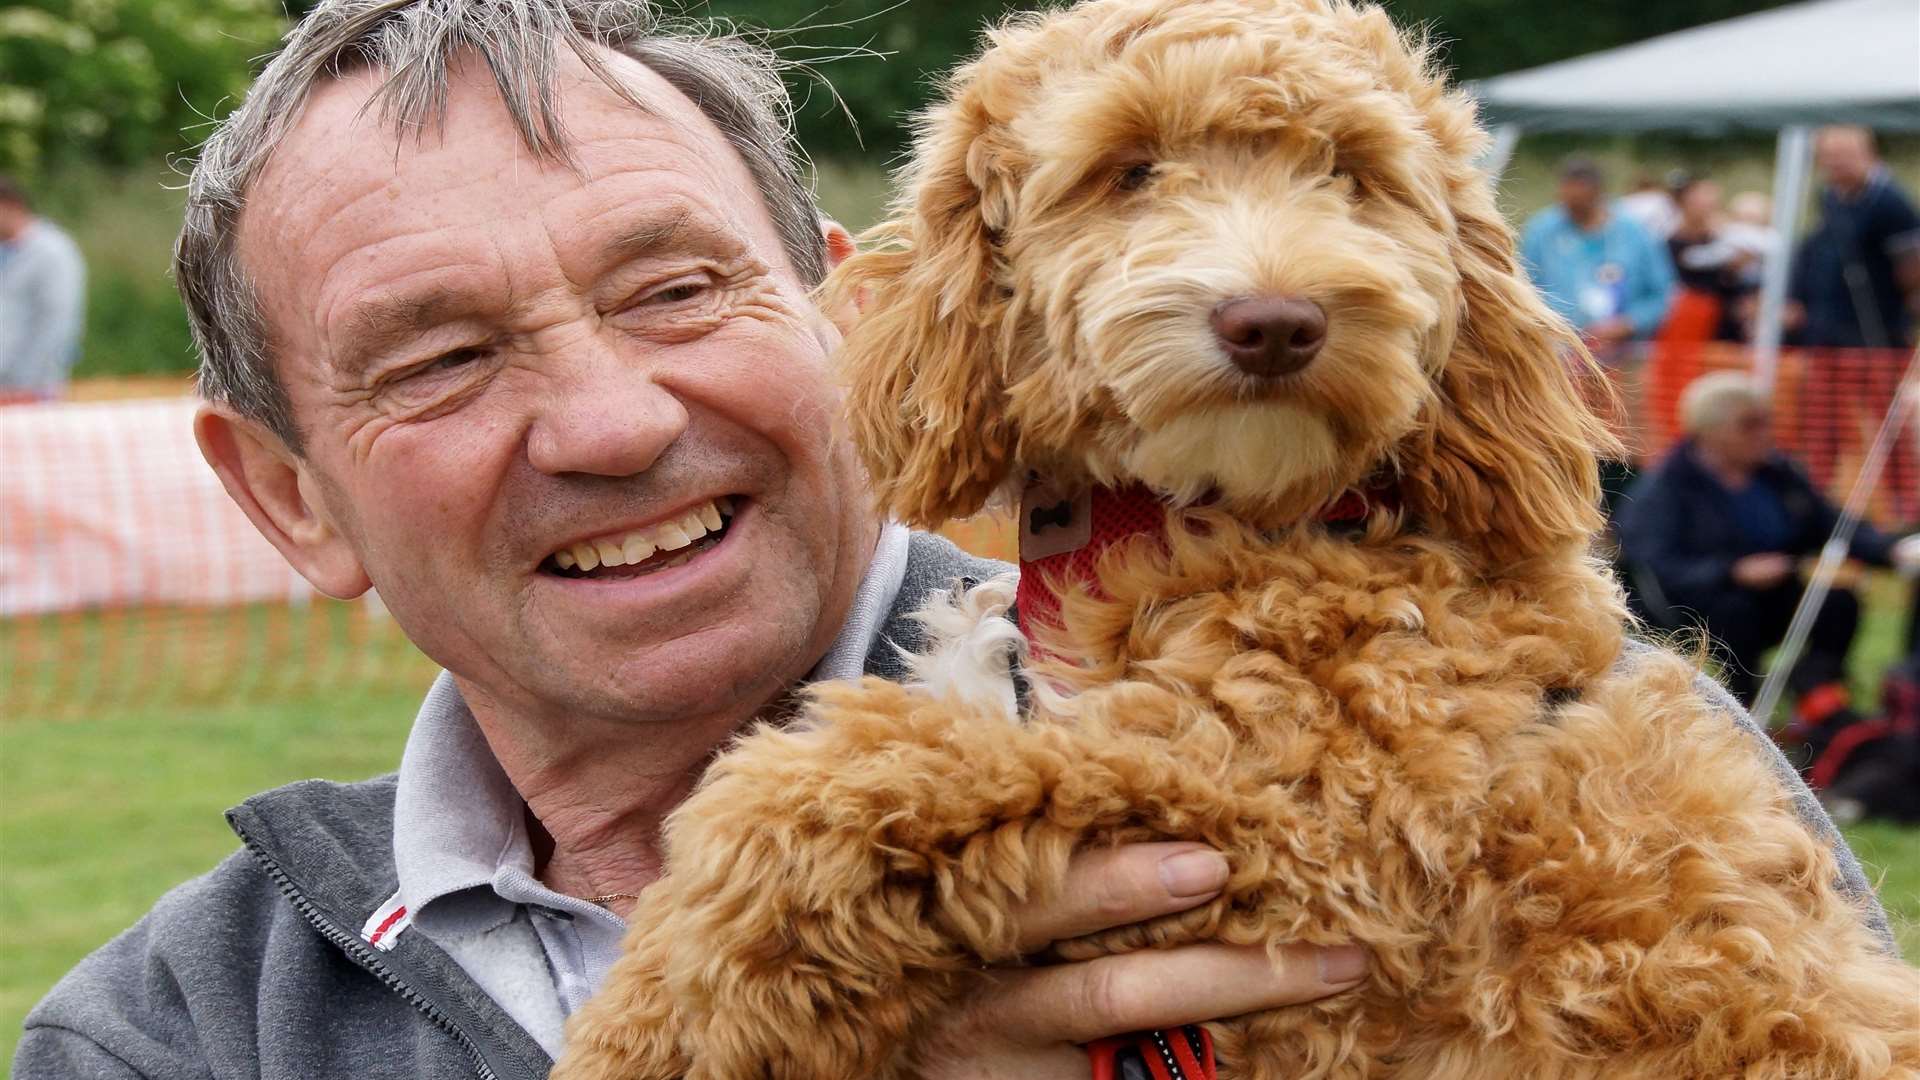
(1053, 522)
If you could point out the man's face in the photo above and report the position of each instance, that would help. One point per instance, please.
(1845, 157)
(496, 359)
(1745, 439)
(13, 220)
(1700, 204)
(1579, 195)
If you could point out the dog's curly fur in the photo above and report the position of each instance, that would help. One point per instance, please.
(1421, 738)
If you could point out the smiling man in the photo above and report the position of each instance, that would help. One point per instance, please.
(504, 310)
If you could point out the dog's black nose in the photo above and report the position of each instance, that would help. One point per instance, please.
(1270, 335)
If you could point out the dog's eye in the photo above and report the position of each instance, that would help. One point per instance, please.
(1135, 177)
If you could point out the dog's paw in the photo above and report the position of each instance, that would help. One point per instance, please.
(972, 646)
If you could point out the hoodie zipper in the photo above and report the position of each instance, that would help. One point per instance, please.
(351, 945)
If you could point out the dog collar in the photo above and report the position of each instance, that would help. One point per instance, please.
(1063, 533)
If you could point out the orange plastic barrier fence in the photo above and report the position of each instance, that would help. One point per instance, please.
(128, 577)
(1827, 407)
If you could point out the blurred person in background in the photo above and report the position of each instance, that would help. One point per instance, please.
(1614, 282)
(1855, 286)
(1749, 228)
(1708, 260)
(1856, 277)
(1597, 268)
(1652, 204)
(1722, 524)
(42, 300)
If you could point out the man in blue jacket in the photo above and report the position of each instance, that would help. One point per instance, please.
(1597, 268)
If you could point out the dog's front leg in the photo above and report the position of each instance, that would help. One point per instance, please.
(832, 888)
(630, 1030)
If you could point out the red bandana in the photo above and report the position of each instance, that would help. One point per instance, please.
(1063, 535)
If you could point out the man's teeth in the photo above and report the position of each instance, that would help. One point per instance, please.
(641, 544)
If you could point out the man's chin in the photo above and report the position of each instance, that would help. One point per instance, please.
(734, 670)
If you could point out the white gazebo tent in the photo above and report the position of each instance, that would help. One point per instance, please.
(1785, 70)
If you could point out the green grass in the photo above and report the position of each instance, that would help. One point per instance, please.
(102, 816)
(1891, 855)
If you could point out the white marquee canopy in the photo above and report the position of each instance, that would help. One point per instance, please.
(1822, 62)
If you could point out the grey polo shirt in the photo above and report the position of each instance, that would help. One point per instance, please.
(465, 864)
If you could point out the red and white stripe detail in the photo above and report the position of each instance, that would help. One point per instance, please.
(385, 924)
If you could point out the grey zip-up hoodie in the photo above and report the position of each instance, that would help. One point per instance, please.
(259, 970)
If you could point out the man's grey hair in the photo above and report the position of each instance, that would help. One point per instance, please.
(1711, 401)
(734, 83)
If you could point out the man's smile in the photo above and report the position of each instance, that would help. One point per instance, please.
(669, 542)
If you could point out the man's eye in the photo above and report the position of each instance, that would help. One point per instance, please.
(458, 358)
(677, 293)
(453, 360)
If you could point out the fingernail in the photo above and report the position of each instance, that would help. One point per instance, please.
(1193, 873)
(1342, 964)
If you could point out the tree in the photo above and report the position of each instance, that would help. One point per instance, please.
(1492, 37)
(925, 38)
(120, 81)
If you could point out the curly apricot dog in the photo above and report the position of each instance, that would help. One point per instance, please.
(1238, 252)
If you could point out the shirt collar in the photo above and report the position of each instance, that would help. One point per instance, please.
(458, 823)
(847, 657)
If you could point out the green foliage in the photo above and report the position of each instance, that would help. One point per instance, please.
(1492, 37)
(919, 39)
(120, 81)
(124, 222)
(923, 39)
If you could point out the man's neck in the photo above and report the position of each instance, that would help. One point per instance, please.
(1732, 475)
(598, 789)
(1588, 220)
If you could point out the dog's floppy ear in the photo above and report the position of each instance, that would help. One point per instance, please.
(925, 364)
(1507, 459)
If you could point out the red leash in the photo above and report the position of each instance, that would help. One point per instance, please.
(1185, 1054)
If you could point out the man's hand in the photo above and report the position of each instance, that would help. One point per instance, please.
(1029, 1023)
(1762, 571)
(1906, 555)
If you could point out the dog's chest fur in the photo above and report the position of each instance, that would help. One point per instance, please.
(1343, 712)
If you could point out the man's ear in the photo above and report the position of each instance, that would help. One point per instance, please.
(279, 494)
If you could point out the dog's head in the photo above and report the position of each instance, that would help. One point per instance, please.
(1226, 247)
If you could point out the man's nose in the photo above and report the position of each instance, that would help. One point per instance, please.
(605, 417)
(1270, 335)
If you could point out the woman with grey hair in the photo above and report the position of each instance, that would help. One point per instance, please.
(1722, 524)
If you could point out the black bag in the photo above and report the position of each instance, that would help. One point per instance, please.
(1870, 768)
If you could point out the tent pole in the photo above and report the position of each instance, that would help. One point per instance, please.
(1790, 168)
(1500, 151)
